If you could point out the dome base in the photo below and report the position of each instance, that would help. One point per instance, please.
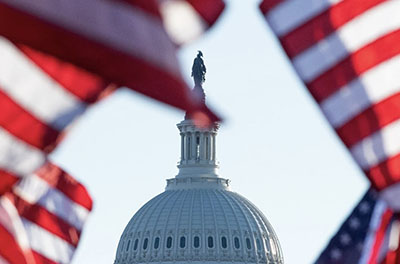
(191, 224)
(212, 183)
(202, 262)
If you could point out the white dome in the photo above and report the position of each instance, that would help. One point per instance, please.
(198, 226)
(198, 219)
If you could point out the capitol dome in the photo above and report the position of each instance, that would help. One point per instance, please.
(198, 219)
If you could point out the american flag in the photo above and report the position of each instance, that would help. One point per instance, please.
(347, 54)
(42, 215)
(370, 235)
(40, 96)
(42, 218)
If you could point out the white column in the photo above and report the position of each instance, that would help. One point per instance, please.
(208, 147)
(182, 147)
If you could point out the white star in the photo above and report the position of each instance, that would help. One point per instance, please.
(345, 239)
(336, 254)
(354, 223)
(360, 246)
(364, 207)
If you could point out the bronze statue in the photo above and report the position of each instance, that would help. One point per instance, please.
(198, 74)
(199, 70)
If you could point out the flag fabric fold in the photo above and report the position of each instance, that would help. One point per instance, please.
(42, 217)
(185, 20)
(40, 96)
(347, 54)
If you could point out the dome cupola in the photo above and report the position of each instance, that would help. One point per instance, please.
(198, 219)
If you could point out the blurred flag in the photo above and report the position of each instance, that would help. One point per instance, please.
(347, 54)
(185, 20)
(122, 41)
(42, 218)
(39, 97)
(370, 235)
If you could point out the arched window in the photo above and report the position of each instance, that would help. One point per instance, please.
(145, 243)
(169, 242)
(210, 241)
(237, 243)
(197, 146)
(248, 243)
(135, 246)
(196, 242)
(127, 246)
(258, 244)
(224, 242)
(182, 242)
(156, 243)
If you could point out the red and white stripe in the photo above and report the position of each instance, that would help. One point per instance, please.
(39, 98)
(42, 218)
(185, 20)
(347, 54)
(26, 85)
(122, 41)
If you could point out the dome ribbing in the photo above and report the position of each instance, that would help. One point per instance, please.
(198, 225)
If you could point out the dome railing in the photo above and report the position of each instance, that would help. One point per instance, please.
(193, 182)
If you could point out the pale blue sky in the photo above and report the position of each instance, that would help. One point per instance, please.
(274, 144)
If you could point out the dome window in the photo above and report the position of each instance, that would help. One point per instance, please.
(224, 242)
(207, 149)
(127, 245)
(248, 243)
(197, 146)
(169, 242)
(135, 246)
(145, 243)
(157, 243)
(182, 242)
(196, 242)
(258, 244)
(210, 241)
(237, 243)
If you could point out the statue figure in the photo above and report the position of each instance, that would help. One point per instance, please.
(199, 70)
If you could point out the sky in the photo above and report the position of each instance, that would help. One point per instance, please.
(274, 144)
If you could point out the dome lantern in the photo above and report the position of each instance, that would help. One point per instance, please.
(198, 163)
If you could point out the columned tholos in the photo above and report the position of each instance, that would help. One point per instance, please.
(199, 146)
